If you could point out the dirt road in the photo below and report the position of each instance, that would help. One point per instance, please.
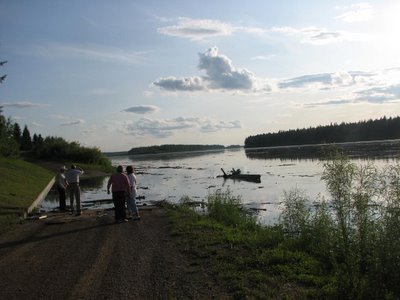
(91, 257)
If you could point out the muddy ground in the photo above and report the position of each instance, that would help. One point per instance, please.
(91, 257)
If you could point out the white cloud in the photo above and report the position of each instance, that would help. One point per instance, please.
(22, 104)
(359, 12)
(162, 128)
(342, 79)
(37, 125)
(376, 95)
(142, 109)
(379, 94)
(321, 80)
(58, 117)
(72, 123)
(189, 84)
(331, 80)
(264, 57)
(319, 36)
(92, 52)
(197, 29)
(220, 75)
(201, 29)
(214, 126)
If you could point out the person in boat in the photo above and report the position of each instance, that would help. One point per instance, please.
(133, 210)
(121, 189)
(61, 183)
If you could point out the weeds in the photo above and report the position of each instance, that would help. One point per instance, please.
(356, 239)
(346, 247)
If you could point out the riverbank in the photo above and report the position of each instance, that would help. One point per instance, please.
(22, 181)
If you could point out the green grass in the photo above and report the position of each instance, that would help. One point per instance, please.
(346, 247)
(250, 261)
(20, 183)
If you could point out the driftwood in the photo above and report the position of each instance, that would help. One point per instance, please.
(237, 175)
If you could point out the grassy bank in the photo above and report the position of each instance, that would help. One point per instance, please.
(346, 247)
(249, 260)
(21, 182)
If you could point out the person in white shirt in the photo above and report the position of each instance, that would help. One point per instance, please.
(74, 190)
(133, 210)
(61, 183)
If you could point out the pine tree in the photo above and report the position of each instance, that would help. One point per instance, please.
(26, 141)
(17, 133)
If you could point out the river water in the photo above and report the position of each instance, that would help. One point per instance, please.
(172, 176)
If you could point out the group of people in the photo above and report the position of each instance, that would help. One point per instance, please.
(123, 187)
(69, 179)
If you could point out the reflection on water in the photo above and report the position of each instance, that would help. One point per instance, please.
(172, 176)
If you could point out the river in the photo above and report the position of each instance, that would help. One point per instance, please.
(172, 176)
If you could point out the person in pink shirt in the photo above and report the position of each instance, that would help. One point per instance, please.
(120, 190)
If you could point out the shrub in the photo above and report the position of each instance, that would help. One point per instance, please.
(356, 235)
(227, 209)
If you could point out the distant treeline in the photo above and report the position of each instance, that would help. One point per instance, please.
(173, 148)
(15, 142)
(380, 129)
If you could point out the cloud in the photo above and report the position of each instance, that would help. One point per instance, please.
(376, 95)
(214, 126)
(359, 12)
(58, 117)
(189, 84)
(162, 128)
(318, 36)
(220, 75)
(201, 29)
(379, 94)
(142, 109)
(302, 81)
(92, 52)
(37, 125)
(331, 80)
(22, 104)
(327, 103)
(264, 57)
(197, 29)
(72, 123)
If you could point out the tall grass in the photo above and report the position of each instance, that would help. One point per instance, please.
(227, 209)
(347, 246)
(355, 233)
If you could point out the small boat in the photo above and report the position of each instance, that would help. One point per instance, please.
(237, 175)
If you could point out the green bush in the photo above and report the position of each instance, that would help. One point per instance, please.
(355, 235)
(227, 209)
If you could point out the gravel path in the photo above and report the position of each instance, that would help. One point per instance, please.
(90, 257)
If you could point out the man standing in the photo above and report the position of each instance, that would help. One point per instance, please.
(74, 190)
(62, 184)
(120, 189)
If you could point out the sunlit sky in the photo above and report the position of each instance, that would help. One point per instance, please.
(123, 74)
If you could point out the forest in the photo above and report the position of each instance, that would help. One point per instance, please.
(379, 129)
(17, 142)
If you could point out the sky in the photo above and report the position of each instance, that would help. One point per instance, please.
(122, 74)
